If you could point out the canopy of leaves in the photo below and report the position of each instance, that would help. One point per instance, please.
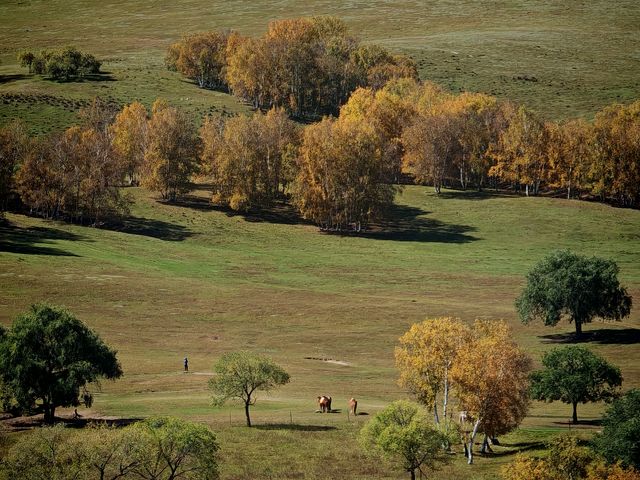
(49, 355)
(341, 182)
(490, 376)
(575, 374)
(572, 285)
(241, 375)
(171, 156)
(159, 448)
(426, 354)
(402, 432)
(620, 437)
(249, 158)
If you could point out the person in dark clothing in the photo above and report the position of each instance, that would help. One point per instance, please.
(186, 364)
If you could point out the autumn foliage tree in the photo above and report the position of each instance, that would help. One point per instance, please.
(491, 381)
(425, 357)
(249, 158)
(129, 139)
(14, 144)
(201, 57)
(615, 170)
(341, 182)
(309, 66)
(171, 154)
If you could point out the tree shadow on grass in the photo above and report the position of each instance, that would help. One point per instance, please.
(409, 224)
(474, 195)
(150, 228)
(515, 448)
(295, 427)
(34, 240)
(12, 78)
(605, 336)
(280, 212)
(400, 222)
(586, 423)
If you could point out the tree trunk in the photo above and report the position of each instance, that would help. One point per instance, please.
(246, 412)
(445, 400)
(412, 472)
(49, 413)
(578, 328)
(575, 412)
(436, 418)
(472, 437)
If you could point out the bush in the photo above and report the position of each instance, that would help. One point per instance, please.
(63, 64)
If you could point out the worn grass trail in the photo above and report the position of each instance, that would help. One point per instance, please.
(192, 280)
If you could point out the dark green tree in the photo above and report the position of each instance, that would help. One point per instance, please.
(620, 437)
(49, 356)
(402, 431)
(574, 286)
(241, 375)
(575, 375)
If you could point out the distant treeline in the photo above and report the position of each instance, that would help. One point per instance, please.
(309, 66)
(63, 64)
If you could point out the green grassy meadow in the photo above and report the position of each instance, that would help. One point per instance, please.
(583, 55)
(193, 280)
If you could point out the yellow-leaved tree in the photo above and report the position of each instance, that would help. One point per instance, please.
(425, 357)
(171, 155)
(129, 138)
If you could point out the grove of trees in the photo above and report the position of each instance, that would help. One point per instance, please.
(308, 66)
(157, 448)
(63, 64)
(482, 365)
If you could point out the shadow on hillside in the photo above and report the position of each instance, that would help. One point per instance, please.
(587, 423)
(476, 195)
(605, 336)
(515, 448)
(295, 427)
(279, 213)
(99, 77)
(35, 421)
(408, 224)
(399, 223)
(12, 78)
(29, 241)
(150, 228)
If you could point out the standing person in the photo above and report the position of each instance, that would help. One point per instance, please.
(186, 364)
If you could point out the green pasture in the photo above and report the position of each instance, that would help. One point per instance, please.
(190, 279)
(577, 57)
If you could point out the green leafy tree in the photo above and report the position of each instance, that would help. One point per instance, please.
(574, 286)
(49, 356)
(402, 431)
(575, 375)
(174, 448)
(159, 448)
(620, 437)
(241, 375)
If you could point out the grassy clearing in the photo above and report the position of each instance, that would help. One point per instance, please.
(192, 280)
(582, 56)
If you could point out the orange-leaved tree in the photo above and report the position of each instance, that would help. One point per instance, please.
(491, 381)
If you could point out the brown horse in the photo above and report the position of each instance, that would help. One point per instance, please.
(353, 406)
(324, 404)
